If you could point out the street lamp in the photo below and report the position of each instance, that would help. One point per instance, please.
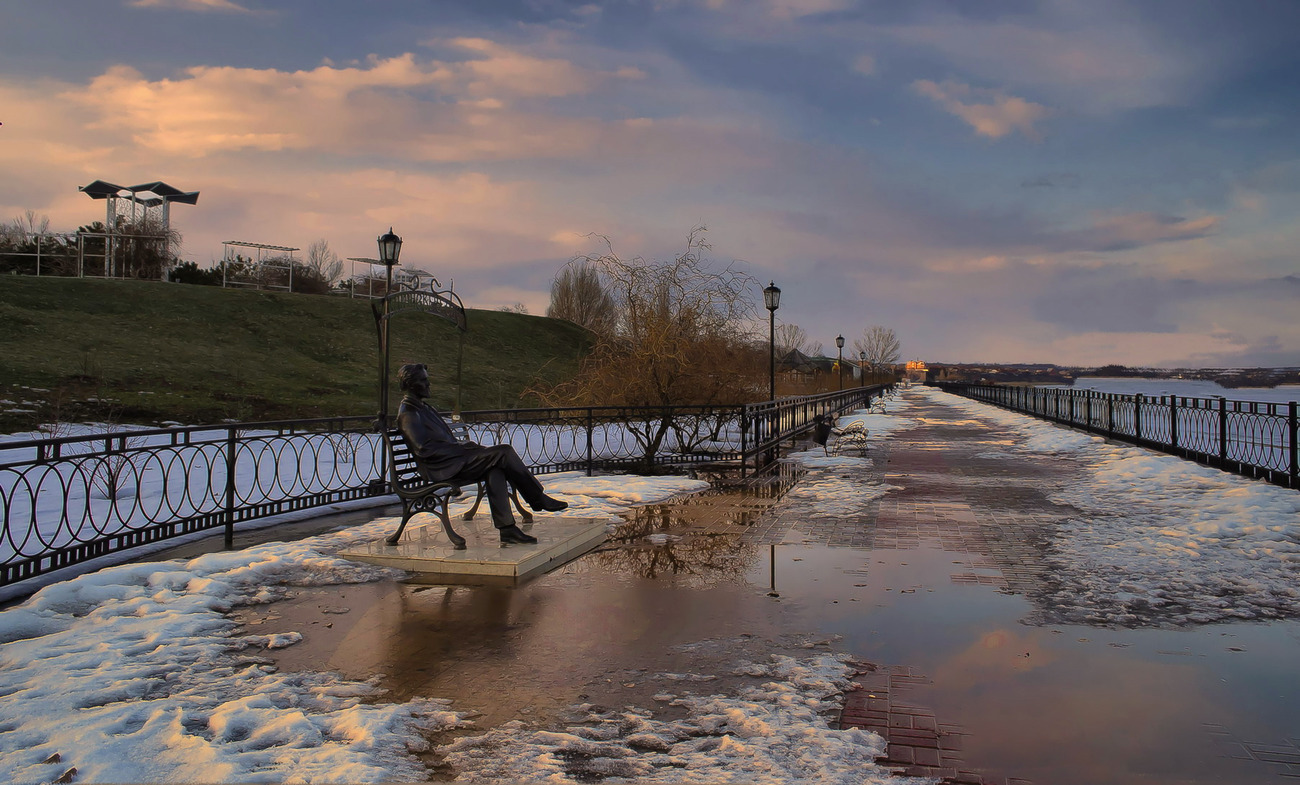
(862, 367)
(772, 300)
(390, 248)
(839, 347)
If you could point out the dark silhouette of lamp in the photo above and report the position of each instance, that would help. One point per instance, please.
(839, 347)
(390, 248)
(772, 301)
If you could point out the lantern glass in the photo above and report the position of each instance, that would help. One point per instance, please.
(390, 248)
(772, 296)
(839, 342)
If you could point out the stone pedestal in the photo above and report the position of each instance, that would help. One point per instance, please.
(425, 551)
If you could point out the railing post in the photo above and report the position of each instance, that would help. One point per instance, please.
(744, 440)
(1110, 415)
(1223, 431)
(1137, 417)
(1295, 454)
(590, 428)
(230, 489)
(1173, 421)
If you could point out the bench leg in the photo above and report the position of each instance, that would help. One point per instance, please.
(482, 491)
(524, 512)
(407, 513)
(434, 504)
(457, 541)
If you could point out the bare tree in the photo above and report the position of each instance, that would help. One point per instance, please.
(322, 261)
(579, 296)
(880, 345)
(792, 338)
(681, 334)
(516, 308)
(24, 228)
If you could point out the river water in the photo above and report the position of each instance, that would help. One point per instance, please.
(1190, 388)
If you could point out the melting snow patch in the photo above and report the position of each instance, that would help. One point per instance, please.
(835, 485)
(772, 731)
(1159, 540)
(133, 674)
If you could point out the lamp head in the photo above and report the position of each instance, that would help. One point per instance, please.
(839, 342)
(772, 297)
(390, 248)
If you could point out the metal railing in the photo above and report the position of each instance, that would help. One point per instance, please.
(1251, 438)
(70, 499)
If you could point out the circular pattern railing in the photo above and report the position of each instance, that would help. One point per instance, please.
(71, 499)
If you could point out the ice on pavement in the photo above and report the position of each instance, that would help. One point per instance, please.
(1157, 539)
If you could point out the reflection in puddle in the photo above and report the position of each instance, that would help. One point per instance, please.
(708, 536)
(1052, 704)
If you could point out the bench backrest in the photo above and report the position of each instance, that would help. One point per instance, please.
(403, 467)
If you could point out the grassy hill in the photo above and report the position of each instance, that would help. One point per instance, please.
(144, 352)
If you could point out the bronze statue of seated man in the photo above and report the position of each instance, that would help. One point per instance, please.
(444, 459)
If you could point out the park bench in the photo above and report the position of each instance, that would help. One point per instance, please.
(420, 494)
(417, 492)
(852, 436)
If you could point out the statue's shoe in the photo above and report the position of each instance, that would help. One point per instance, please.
(515, 535)
(549, 504)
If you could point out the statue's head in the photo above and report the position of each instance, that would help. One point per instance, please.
(414, 378)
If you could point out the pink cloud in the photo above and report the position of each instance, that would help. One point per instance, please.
(996, 116)
(192, 5)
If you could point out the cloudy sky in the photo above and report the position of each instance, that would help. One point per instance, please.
(1069, 181)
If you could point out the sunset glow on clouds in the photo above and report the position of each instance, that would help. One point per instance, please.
(1062, 181)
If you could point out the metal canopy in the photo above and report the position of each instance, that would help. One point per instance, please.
(154, 193)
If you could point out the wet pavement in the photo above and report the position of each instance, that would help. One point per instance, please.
(936, 590)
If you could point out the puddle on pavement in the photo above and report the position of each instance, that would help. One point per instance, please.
(1053, 704)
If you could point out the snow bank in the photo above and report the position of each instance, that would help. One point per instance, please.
(774, 730)
(134, 673)
(1159, 540)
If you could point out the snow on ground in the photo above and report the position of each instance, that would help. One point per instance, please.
(1159, 540)
(607, 496)
(134, 673)
(834, 485)
(772, 731)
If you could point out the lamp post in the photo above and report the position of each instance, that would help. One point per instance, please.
(839, 347)
(772, 300)
(862, 368)
(390, 248)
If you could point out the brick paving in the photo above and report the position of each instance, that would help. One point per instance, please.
(918, 744)
(1281, 756)
(993, 521)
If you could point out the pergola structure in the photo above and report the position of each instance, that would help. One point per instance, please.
(141, 199)
(280, 258)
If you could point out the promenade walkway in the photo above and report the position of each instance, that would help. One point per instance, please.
(934, 562)
(1002, 601)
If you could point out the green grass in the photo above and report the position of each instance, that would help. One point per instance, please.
(145, 352)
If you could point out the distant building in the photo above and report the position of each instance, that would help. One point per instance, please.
(915, 371)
